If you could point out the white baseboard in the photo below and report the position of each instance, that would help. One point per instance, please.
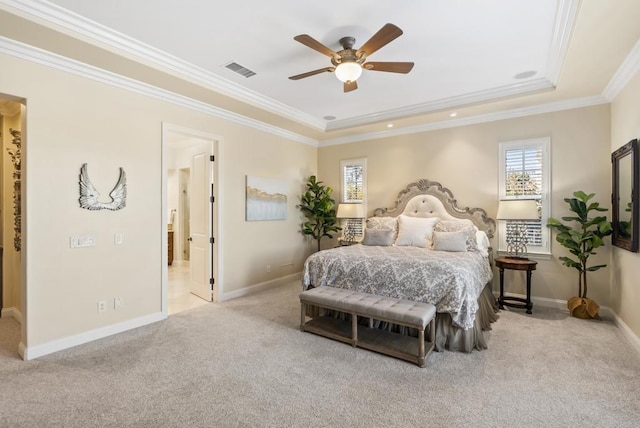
(260, 287)
(31, 352)
(12, 313)
(605, 312)
(626, 331)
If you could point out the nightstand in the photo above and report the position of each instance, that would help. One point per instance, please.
(529, 266)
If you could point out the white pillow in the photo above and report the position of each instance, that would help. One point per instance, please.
(415, 231)
(450, 241)
(483, 243)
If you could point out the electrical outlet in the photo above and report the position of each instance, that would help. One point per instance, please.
(102, 306)
(118, 238)
(268, 268)
(117, 303)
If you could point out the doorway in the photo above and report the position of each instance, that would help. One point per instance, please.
(12, 248)
(189, 201)
(185, 219)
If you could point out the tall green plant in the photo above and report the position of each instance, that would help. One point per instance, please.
(320, 210)
(582, 240)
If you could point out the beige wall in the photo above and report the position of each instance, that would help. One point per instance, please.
(73, 120)
(625, 287)
(465, 159)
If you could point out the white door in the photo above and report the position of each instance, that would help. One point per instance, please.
(200, 225)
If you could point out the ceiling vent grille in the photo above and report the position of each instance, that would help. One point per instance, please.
(237, 68)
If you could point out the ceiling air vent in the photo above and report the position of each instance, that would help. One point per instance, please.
(237, 68)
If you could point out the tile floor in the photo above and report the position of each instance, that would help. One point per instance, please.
(179, 298)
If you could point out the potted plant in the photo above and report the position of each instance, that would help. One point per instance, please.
(581, 241)
(320, 210)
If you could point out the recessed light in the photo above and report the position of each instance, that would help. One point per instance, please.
(329, 117)
(525, 74)
(390, 125)
(454, 114)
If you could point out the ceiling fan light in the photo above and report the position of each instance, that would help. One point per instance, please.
(348, 71)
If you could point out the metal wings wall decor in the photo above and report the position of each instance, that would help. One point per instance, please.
(89, 196)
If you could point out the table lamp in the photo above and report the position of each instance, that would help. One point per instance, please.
(347, 212)
(516, 212)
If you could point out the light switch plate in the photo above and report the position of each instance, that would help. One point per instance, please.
(82, 241)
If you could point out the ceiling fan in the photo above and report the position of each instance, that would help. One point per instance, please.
(349, 62)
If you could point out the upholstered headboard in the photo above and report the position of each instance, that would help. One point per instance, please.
(426, 198)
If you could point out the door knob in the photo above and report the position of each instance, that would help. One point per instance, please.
(190, 239)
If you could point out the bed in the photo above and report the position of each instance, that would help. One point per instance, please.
(424, 248)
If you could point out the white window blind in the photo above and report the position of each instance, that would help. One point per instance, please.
(354, 179)
(353, 183)
(523, 179)
(524, 174)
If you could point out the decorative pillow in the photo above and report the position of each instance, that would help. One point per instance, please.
(379, 237)
(466, 226)
(384, 223)
(450, 241)
(483, 243)
(415, 231)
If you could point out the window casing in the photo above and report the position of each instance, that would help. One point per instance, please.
(353, 178)
(525, 174)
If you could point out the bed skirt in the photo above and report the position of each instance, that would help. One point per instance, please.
(452, 338)
(448, 336)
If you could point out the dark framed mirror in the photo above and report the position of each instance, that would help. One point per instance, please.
(624, 196)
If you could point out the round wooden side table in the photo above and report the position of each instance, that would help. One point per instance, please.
(529, 266)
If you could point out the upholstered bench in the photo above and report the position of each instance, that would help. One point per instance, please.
(403, 312)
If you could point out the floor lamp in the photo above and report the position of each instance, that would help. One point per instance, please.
(516, 212)
(347, 212)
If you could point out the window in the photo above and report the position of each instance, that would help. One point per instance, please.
(524, 174)
(354, 189)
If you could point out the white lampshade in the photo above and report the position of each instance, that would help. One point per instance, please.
(350, 211)
(348, 71)
(518, 209)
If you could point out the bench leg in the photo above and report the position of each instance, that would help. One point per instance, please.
(354, 329)
(302, 316)
(421, 348)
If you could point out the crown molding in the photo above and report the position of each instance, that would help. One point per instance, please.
(33, 54)
(627, 71)
(472, 120)
(52, 15)
(40, 56)
(565, 21)
(493, 94)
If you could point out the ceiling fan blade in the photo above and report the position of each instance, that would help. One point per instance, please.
(350, 86)
(393, 67)
(312, 73)
(309, 41)
(385, 35)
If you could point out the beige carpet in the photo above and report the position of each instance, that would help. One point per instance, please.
(244, 363)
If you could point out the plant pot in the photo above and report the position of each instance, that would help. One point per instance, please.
(583, 307)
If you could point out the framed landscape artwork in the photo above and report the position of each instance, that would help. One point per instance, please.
(266, 199)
